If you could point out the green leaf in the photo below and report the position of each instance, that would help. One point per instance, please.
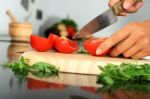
(45, 69)
(125, 72)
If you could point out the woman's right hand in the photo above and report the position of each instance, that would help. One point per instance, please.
(128, 5)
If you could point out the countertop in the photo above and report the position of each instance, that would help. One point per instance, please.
(85, 86)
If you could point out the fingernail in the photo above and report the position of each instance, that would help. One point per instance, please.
(98, 52)
(127, 5)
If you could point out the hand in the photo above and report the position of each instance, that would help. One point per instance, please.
(128, 5)
(133, 41)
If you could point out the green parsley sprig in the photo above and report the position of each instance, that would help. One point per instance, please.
(21, 68)
(125, 72)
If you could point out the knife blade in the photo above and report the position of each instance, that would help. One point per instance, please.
(102, 21)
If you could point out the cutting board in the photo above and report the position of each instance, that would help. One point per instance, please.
(76, 63)
(70, 79)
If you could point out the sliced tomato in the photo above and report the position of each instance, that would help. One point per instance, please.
(52, 38)
(40, 44)
(65, 45)
(92, 44)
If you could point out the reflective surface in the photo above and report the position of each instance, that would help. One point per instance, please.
(65, 86)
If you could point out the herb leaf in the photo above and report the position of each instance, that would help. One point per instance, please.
(44, 69)
(125, 72)
(21, 68)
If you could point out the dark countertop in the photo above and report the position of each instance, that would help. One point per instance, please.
(84, 87)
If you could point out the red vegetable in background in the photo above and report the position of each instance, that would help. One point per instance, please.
(71, 30)
(66, 45)
(92, 44)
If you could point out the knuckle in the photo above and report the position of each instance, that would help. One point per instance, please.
(126, 54)
(146, 41)
(134, 25)
(118, 50)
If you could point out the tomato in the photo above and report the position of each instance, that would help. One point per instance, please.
(92, 44)
(52, 38)
(40, 44)
(65, 45)
(71, 30)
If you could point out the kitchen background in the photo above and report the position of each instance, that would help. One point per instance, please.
(53, 10)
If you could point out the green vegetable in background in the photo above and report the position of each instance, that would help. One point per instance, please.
(125, 72)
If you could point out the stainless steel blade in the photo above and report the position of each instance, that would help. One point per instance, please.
(100, 22)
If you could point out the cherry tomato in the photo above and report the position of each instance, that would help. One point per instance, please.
(65, 45)
(40, 44)
(92, 44)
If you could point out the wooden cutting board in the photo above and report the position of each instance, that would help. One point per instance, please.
(76, 63)
(70, 79)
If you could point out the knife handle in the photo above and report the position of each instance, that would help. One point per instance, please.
(118, 7)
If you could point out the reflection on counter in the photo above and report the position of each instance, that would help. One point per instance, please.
(15, 49)
(126, 90)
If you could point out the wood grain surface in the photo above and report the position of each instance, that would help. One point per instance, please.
(76, 63)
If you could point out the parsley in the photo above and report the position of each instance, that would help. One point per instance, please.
(44, 69)
(125, 72)
(21, 68)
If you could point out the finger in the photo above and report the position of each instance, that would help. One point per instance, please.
(112, 2)
(123, 14)
(124, 46)
(113, 40)
(128, 4)
(133, 50)
(140, 54)
(135, 7)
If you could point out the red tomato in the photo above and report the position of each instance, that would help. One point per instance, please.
(52, 38)
(65, 45)
(40, 44)
(92, 44)
(71, 30)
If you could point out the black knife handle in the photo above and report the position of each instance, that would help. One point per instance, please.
(118, 7)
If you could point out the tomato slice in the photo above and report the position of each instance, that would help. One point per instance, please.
(52, 38)
(40, 44)
(65, 45)
(92, 44)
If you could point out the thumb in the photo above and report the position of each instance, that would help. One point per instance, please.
(129, 3)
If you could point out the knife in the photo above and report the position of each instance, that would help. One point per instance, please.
(102, 21)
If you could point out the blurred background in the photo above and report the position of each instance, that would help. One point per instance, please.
(44, 13)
